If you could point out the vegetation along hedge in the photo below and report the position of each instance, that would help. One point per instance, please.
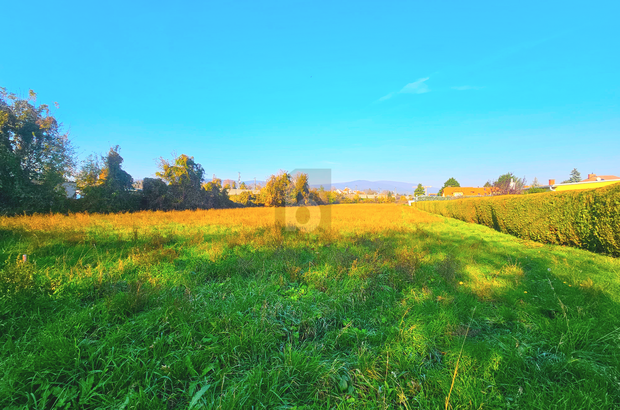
(588, 219)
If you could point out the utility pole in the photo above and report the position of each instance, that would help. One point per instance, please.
(255, 183)
(426, 190)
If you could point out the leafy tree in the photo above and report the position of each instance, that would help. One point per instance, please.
(449, 183)
(419, 190)
(300, 189)
(508, 184)
(35, 157)
(487, 184)
(276, 189)
(111, 190)
(243, 186)
(113, 175)
(535, 183)
(185, 179)
(155, 194)
(88, 175)
(246, 198)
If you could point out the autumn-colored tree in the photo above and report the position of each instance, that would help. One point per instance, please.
(300, 192)
(508, 184)
(276, 189)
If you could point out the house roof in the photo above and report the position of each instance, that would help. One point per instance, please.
(594, 177)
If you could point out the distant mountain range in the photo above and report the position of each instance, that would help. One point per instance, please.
(362, 185)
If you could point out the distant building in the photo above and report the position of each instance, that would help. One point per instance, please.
(466, 191)
(593, 181)
(70, 189)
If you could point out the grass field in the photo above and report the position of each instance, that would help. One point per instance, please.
(390, 307)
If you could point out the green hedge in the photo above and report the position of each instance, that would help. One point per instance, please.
(588, 219)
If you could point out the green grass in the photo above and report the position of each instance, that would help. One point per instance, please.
(172, 316)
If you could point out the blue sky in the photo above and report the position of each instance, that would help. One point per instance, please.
(405, 91)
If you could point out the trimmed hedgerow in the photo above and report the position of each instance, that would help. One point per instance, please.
(587, 219)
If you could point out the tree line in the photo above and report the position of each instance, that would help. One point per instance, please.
(37, 159)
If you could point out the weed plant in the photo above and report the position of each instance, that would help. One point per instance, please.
(224, 309)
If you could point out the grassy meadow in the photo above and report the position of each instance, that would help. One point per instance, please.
(388, 307)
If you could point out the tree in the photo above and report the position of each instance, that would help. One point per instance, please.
(508, 184)
(113, 175)
(35, 157)
(449, 183)
(88, 175)
(276, 189)
(155, 194)
(575, 176)
(535, 183)
(487, 184)
(419, 191)
(111, 190)
(300, 189)
(185, 177)
(243, 186)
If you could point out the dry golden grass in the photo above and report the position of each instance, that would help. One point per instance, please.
(357, 218)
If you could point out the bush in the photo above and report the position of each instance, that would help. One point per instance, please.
(587, 219)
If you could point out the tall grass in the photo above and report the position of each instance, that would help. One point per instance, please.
(227, 309)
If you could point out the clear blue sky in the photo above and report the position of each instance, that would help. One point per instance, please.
(406, 91)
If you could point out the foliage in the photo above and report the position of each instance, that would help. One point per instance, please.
(587, 219)
(536, 190)
(111, 190)
(36, 157)
(508, 184)
(185, 190)
(284, 190)
(275, 190)
(89, 173)
(575, 176)
(449, 183)
(224, 309)
(300, 190)
(419, 191)
(245, 198)
(243, 186)
(155, 194)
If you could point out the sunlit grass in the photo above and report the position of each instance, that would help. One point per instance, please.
(228, 309)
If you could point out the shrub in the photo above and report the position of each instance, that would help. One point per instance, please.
(587, 219)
